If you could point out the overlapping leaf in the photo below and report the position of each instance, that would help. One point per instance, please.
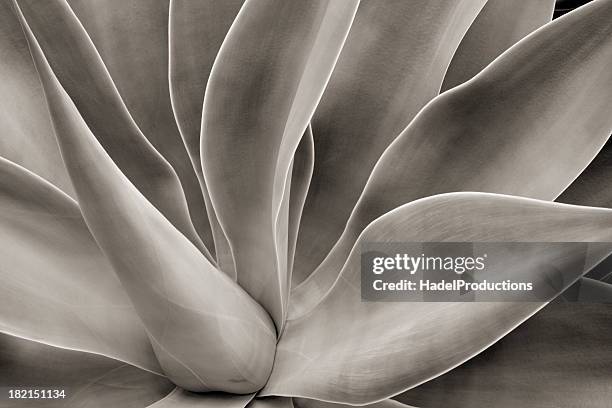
(188, 307)
(348, 351)
(527, 125)
(499, 25)
(132, 39)
(301, 174)
(67, 294)
(559, 358)
(78, 67)
(393, 63)
(196, 30)
(85, 379)
(26, 133)
(253, 120)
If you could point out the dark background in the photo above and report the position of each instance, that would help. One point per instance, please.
(565, 6)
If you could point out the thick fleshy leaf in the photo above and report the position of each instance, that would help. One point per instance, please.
(561, 357)
(355, 352)
(393, 63)
(196, 30)
(195, 316)
(294, 195)
(499, 25)
(75, 62)
(296, 188)
(57, 286)
(88, 380)
(527, 125)
(26, 133)
(132, 39)
(253, 120)
(308, 403)
(180, 398)
(301, 174)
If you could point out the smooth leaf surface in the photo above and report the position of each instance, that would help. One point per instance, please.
(26, 133)
(348, 351)
(560, 357)
(132, 39)
(527, 126)
(189, 308)
(392, 64)
(88, 380)
(196, 31)
(301, 174)
(76, 63)
(499, 25)
(253, 120)
(57, 286)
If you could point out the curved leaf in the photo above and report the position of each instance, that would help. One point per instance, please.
(296, 188)
(196, 31)
(57, 286)
(132, 39)
(189, 308)
(560, 357)
(527, 125)
(26, 133)
(301, 174)
(393, 63)
(499, 25)
(253, 120)
(87, 379)
(75, 61)
(355, 352)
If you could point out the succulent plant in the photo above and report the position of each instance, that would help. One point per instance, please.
(185, 186)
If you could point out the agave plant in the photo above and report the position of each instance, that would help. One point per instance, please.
(185, 187)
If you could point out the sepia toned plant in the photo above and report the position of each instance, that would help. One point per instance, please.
(185, 186)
